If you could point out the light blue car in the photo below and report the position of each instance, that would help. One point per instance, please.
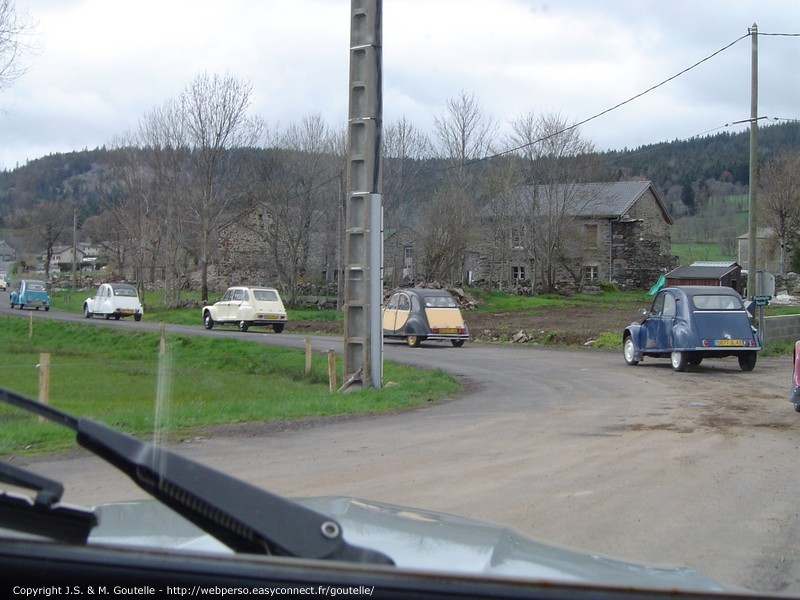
(31, 293)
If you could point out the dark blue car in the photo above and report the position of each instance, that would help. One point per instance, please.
(689, 323)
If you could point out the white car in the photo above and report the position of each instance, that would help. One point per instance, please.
(114, 300)
(245, 306)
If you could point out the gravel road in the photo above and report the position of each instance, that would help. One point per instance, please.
(570, 446)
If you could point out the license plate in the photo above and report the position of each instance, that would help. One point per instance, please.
(269, 316)
(729, 343)
(448, 330)
(126, 310)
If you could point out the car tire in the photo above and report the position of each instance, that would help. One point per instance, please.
(629, 351)
(747, 360)
(277, 327)
(137, 318)
(457, 343)
(694, 361)
(243, 326)
(86, 313)
(797, 408)
(107, 316)
(413, 341)
(116, 317)
(46, 308)
(679, 360)
(208, 322)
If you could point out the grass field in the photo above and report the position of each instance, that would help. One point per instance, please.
(112, 376)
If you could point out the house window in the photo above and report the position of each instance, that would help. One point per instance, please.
(590, 273)
(518, 273)
(590, 235)
(408, 256)
(408, 264)
(516, 238)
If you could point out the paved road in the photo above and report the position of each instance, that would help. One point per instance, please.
(570, 446)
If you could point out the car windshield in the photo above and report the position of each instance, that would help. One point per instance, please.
(265, 295)
(716, 302)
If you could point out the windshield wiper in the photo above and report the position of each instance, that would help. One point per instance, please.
(240, 515)
(42, 515)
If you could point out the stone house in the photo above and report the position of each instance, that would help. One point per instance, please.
(617, 232)
(768, 251)
(400, 261)
(245, 252)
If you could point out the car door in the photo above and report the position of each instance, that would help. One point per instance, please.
(657, 327)
(240, 307)
(403, 311)
(390, 314)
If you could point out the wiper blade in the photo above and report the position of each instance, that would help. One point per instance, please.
(43, 515)
(240, 515)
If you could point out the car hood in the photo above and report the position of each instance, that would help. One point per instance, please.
(415, 539)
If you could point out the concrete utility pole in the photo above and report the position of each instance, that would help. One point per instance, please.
(752, 267)
(363, 336)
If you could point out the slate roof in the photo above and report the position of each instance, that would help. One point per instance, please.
(593, 200)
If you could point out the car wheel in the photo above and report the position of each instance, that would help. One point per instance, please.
(208, 322)
(797, 407)
(46, 308)
(277, 327)
(747, 361)
(243, 326)
(413, 341)
(679, 360)
(86, 313)
(694, 361)
(629, 351)
(116, 317)
(137, 318)
(107, 316)
(457, 343)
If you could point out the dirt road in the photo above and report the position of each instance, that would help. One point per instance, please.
(574, 447)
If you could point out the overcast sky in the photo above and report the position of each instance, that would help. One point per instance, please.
(103, 64)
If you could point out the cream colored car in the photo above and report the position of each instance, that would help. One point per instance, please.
(245, 306)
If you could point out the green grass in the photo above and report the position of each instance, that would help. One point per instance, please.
(699, 251)
(112, 376)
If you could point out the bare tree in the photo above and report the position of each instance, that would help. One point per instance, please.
(217, 132)
(465, 132)
(556, 159)
(447, 235)
(780, 198)
(405, 149)
(13, 42)
(47, 221)
(302, 189)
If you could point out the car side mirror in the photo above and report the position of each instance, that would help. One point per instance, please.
(643, 311)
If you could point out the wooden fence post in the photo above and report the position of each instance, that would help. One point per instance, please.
(332, 370)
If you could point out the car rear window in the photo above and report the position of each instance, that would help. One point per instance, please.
(265, 295)
(124, 291)
(440, 302)
(717, 302)
(36, 286)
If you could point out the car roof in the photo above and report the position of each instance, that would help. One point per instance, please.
(428, 292)
(698, 290)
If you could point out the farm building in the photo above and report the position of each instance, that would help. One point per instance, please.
(707, 273)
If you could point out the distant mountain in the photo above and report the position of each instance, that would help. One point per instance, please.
(685, 172)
